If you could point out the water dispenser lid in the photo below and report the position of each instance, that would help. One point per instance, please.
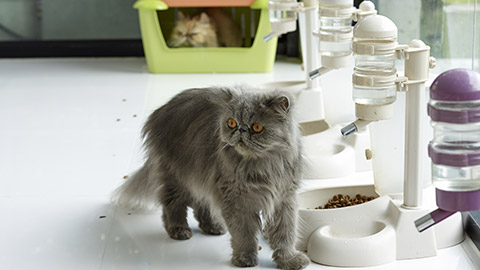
(448, 94)
(458, 201)
(447, 158)
(456, 85)
(375, 26)
(344, 3)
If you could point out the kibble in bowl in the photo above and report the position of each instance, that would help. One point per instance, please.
(340, 200)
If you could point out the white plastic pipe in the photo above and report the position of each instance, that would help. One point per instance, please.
(311, 59)
(414, 124)
(417, 64)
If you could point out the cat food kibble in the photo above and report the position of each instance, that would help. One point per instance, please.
(340, 200)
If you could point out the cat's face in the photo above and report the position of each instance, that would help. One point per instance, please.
(193, 32)
(255, 127)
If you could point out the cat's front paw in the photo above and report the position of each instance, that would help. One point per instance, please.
(297, 262)
(180, 233)
(213, 228)
(245, 260)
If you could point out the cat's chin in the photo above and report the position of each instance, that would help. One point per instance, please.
(245, 151)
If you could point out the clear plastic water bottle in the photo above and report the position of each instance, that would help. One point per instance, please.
(454, 109)
(283, 17)
(374, 44)
(335, 32)
(280, 10)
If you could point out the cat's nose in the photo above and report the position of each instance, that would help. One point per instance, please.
(242, 128)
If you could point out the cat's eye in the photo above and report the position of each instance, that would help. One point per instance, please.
(257, 128)
(231, 123)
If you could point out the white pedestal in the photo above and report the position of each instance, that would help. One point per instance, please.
(373, 233)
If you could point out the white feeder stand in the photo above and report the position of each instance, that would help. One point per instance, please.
(375, 84)
(382, 230)
(417, 63)
(331, 158)
(328, 155)
(283, 16)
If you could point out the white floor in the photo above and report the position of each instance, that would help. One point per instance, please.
(69, 133)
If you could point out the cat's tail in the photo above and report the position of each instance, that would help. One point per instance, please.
(140, 192)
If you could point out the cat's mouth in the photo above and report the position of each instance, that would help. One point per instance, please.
(247, 149)
(243, 149)
(241, 145)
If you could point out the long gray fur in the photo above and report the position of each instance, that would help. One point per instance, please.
(228, 177)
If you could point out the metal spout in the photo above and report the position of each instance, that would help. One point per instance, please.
(270, 36)
(354, 127)
(351, 128)
(432, 218)
(317, 72)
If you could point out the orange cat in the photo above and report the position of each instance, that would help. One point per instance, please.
(216, 29)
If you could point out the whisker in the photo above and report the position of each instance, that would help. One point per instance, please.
(223, 148)
(257, 145)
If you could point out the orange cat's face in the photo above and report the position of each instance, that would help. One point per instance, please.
(193, 32)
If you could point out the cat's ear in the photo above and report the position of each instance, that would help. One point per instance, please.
(284, 102)
(280, 103)
(181, 16)
(204, 18)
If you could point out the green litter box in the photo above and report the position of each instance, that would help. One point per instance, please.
(156, 22)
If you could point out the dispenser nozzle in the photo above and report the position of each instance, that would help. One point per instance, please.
(270, 36)
(432, 218)
(317, 72)
(354, 127)
(351, 128)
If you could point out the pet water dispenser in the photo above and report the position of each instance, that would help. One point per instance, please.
(385, 225)
(328, 154)
(454, 108)
(335, 32)
(334, 36)
(283, 17)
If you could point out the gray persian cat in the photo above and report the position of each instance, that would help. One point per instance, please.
(232, 155)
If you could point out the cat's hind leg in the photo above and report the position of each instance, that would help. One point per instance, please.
(207, 220)
(175, 199)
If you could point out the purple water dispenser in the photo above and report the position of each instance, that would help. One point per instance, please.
(454, 108)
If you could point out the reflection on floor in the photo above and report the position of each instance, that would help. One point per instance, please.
(69, 133)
